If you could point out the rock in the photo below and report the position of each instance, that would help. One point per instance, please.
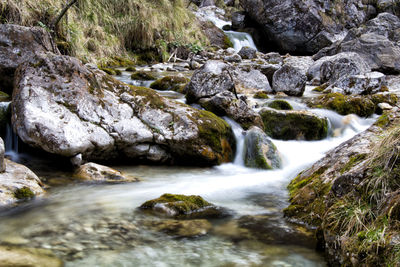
(376, 42)
(2, 161)
(183, 207)
(302, 64)
(226, 104)
(215, 35)
(173, 83)
(250, 82)
(233, 58)
(261, 95)
(82, 111)
(98, 173)
(76, 160)
(294, 125)
(247, 52)
(280, 104)
(344, 105)
(362, 84)
(181, 229)
(260, 152)
(238, 20)
(269, 70)
(330, 69)
(229, 2)
(305, 26)
(29, 257)
(385, 106)
(143, 76)
(20, 44)
(17, 182)
(289, 80)
(4, 97)
(209, 80)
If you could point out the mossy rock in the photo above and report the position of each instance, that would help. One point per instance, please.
(345, 104)
(227, 42)
(109, 71)
(280, 105)
(143, 76)
(184, 207)
(4, 97)
(130, 69)
(173, 83)
(294, 125)
(24, 193)
(261, 95)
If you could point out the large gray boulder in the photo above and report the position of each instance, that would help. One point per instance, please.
(289, 80)
(305, 26)
(260, 152)
(250, 81)
(62, 107)
(377, 43)
(2, 161)
(19, 44)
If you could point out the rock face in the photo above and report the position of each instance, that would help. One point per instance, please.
(294, 125)
(183, 207)
(289, 80)
(305, 26)
(215, 35)
(20, 44)
(17, 182)
(99, 173)
(260, 152)
(377, 43)
(349, 195)
(77, 110)
(2, 161)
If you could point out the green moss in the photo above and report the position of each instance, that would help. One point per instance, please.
(173, 83)
(24, 193)
(4, 97)
(293, 125)
(382, 121)
(352, 162)
(130, 69)
(227, 42)
(280, 105)
(109, 71)
(344, 105)
(320, 88)
(391, 99)
(148, 97)
(261, 95)
(143, 76)
(180, 203)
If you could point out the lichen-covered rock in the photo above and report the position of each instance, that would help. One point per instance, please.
(289, 80)
(343, 104)
(214, 77)
(294, 125)
(173, 83)
(183, 207)
(29, 257)
(250, 81)
(260, 152)
(17, 182)
(247, 52)
(352, 197)
(181, 228)
(362, 84)
(280, 104)
(377, 43)
(301, 63)
(305, 26)
(226, 104)
(98, 173)
(233, 58)
(77, 110)
(2, 161)
(20, 44)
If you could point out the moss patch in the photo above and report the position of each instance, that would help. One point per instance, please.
(352, 162)
(174, 83)
(261, 95)
(143, 76)
(24, 193)
(4, 97)
(280, 105)
(148, 97)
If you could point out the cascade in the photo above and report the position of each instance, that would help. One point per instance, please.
(11, 144)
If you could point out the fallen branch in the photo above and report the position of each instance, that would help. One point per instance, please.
(55, 22)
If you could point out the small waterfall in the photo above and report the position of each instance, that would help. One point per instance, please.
(11, 144)
(239, 136)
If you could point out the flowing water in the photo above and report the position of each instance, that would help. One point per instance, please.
(100, 225)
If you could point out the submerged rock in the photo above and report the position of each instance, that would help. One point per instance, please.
(294, 125)
(99, 173)
(143, 76)
(173, 83)
(17, 182)
(28, 257)
(18, 45)
(77, 110)
(184, 207)
(260, 152)
(181, 228)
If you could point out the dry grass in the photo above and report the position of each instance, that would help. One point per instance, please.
(97, 30)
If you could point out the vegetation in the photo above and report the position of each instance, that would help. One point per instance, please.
(280, 105)
(24, 193)
(98, 30)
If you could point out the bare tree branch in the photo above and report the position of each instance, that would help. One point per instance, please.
(62, 13)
